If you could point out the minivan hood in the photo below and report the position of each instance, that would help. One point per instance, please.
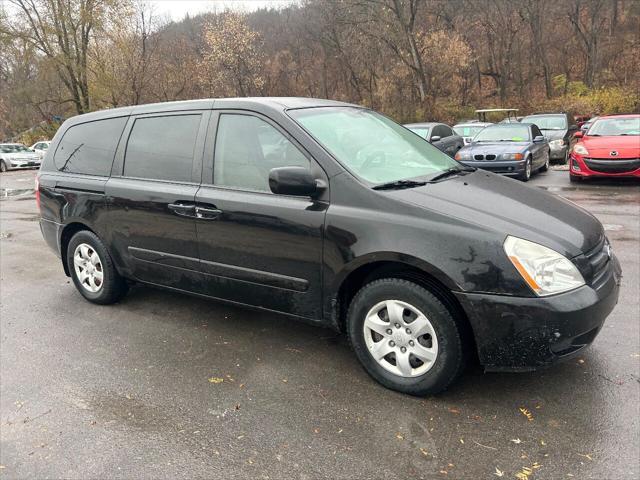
(508, 207)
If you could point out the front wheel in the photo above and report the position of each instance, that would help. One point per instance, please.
(526, 175)
(92, 269)
(3, 166)
(405, 338)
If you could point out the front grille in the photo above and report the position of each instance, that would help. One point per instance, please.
(608, 165)
(490, 157)
(478, 157)
(598, 259)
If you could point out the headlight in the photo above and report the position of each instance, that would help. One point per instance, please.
(557, 143)
(512, 156)
(546, 271)
(580, 149)
(463, 156)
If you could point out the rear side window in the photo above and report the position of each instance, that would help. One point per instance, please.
(88, 148)
(162, 148)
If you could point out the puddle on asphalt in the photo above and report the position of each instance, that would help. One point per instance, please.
(15, 192)
(612, 227)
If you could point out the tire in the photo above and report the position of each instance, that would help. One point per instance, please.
(111, 287)
(565, 160)
(526, 175)
(3, 166)
(545, 167)
(422, 377)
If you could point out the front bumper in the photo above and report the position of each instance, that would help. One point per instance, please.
(558, 152)
(503, 167)
(579, 168)
(526, 333)
(19, 164)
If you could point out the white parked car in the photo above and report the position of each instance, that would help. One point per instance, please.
(16, 155)
(41, 148)
(468, 130)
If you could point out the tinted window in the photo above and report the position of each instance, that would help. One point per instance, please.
(88, 148)
(504, 132)
(161, 148)
(445, 131)
(536, 131)
(247, 148)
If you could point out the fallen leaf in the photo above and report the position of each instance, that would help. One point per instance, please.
(399, 436)
(424, 451)
(543, 443)
(284, 380)
(498, 472)
(462, 441)
(216, 380)
(586, 455)
(516, 440)
(455, 411)
(526, 413)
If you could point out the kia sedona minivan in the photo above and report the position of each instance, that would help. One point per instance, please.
(331, 214)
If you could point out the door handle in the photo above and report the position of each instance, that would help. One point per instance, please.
(204, 213)
(182, 209)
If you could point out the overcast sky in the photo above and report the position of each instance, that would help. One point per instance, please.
(178, 9)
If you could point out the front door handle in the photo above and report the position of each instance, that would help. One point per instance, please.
(204, 213)
(182, 209)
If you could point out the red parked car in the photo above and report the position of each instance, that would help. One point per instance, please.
(610, 148)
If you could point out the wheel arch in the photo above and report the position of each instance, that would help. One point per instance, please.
(409, 269)
(69, 230)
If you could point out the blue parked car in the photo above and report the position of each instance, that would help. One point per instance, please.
(513, 149)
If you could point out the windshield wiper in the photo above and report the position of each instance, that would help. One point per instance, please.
(399, 184)
(452, 171)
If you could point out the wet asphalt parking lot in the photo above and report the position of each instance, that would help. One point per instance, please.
(163, 385)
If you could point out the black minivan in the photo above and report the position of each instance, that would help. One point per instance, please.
(332, 214)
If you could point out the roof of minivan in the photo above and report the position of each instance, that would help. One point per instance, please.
(258, 103)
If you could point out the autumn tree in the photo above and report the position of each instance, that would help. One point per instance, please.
(232, 58)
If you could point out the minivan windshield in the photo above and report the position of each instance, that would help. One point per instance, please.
(504, 132)
(547, 122)
(371, 146)
(615, 127)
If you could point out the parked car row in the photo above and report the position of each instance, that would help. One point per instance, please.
(521, 146)
(14, 156)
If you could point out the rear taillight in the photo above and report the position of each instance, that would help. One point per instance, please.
(38, 192)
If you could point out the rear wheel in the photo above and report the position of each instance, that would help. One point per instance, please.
(545, 167)
(92, 269)
(3, 166)
(405, 338)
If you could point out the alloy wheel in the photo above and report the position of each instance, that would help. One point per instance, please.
(88, 268)
(400, 338)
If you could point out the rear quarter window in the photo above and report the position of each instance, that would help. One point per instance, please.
(89, 148)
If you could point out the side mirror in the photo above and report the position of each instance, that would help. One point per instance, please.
(579, 134)
(538, 139)
(435, 138)
(296, 181)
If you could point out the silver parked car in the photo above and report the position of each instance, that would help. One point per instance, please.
(16, 155)
(41, 148)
